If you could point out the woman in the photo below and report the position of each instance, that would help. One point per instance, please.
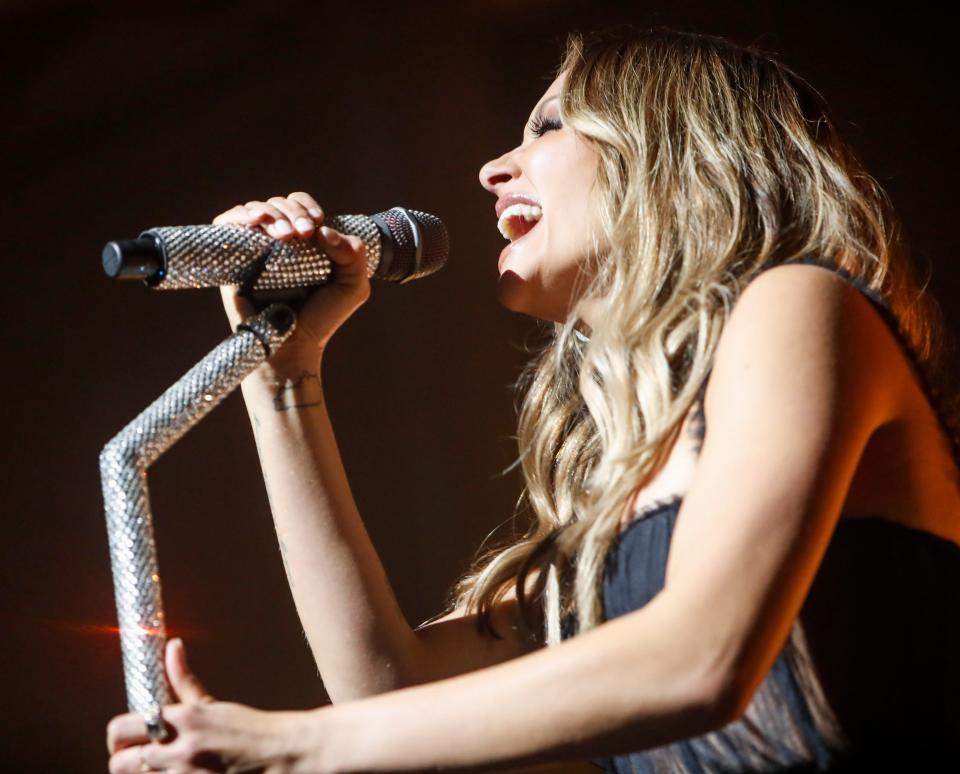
(755, 598)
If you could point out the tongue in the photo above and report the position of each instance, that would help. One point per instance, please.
(521, 226)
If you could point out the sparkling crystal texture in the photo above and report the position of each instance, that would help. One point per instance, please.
(123, 470)
(214, 255)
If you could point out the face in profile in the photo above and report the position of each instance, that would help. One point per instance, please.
(546, 205)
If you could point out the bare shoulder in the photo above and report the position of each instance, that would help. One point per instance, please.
(812, 329)
(796, 391)
(805, 295)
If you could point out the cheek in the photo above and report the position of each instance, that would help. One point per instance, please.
(564, 177)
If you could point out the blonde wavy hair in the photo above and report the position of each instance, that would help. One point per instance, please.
(716, 160)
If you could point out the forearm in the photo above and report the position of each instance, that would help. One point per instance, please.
(637, 682)
(360, 639)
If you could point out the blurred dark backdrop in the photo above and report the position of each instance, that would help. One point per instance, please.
(119, 120)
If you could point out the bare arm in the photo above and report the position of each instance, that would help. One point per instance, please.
(360, 639)
(799, 386)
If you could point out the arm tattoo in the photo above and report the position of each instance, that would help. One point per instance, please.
(292, 386)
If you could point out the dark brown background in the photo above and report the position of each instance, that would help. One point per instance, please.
(116, 122)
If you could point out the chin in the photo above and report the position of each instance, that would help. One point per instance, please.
(513, 293)
(510, 291)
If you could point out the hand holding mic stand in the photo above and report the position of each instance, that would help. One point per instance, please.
(400, 245)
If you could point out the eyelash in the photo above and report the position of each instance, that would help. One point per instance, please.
(540, 125)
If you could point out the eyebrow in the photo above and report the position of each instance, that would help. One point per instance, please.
(548, 99)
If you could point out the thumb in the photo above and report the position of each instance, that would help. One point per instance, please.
(184, 682)
(348, 252)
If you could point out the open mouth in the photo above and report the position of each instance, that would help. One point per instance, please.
(518, 220)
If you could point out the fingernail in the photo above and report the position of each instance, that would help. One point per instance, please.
(282, 227)
(330, 235)
(304, 225)
(314, 212)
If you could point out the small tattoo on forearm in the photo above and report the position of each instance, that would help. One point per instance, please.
(291, 386)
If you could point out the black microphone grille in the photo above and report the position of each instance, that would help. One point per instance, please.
(420, 244)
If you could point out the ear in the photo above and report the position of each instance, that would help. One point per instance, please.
(186, 686)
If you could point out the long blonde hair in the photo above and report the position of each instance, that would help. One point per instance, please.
(715, 161)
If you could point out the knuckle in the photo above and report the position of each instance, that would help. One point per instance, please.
(191, 745)
(192, 715)
(309, 203)
(230, 216)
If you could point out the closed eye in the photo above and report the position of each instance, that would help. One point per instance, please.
(540, 125)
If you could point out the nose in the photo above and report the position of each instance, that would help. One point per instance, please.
(499, 171)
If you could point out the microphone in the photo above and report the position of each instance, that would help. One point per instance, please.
(401, 245)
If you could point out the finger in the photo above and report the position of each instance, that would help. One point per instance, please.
(296, 213)
(276, 223)
(131, 759)
(313, 208)
(263, 208)
(184, 682)
(348, 252)
(125, 730)
(236, 214)
(343, 248)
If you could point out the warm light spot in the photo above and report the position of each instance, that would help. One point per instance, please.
(98, 630)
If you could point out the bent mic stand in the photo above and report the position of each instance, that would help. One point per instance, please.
(123, 471)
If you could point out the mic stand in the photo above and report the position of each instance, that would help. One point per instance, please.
(123, 472)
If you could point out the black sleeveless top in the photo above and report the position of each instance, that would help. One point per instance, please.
(869, 677)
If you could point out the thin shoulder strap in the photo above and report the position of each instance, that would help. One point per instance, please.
(858, 282)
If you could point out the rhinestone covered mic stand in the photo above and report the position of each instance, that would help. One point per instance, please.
(123, 471)
(400, 245)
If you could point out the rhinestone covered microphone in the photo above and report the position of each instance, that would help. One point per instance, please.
(401, 245)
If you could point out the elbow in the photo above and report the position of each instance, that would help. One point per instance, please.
(726, 695)
(701, 669)
(720, 697)
(722, 704)
(374, 676)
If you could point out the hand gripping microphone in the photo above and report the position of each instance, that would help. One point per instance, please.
(401, 245)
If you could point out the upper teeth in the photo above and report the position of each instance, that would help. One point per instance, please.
(526, 211)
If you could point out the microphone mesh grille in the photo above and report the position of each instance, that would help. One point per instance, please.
(435, 240)
(434, 243)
